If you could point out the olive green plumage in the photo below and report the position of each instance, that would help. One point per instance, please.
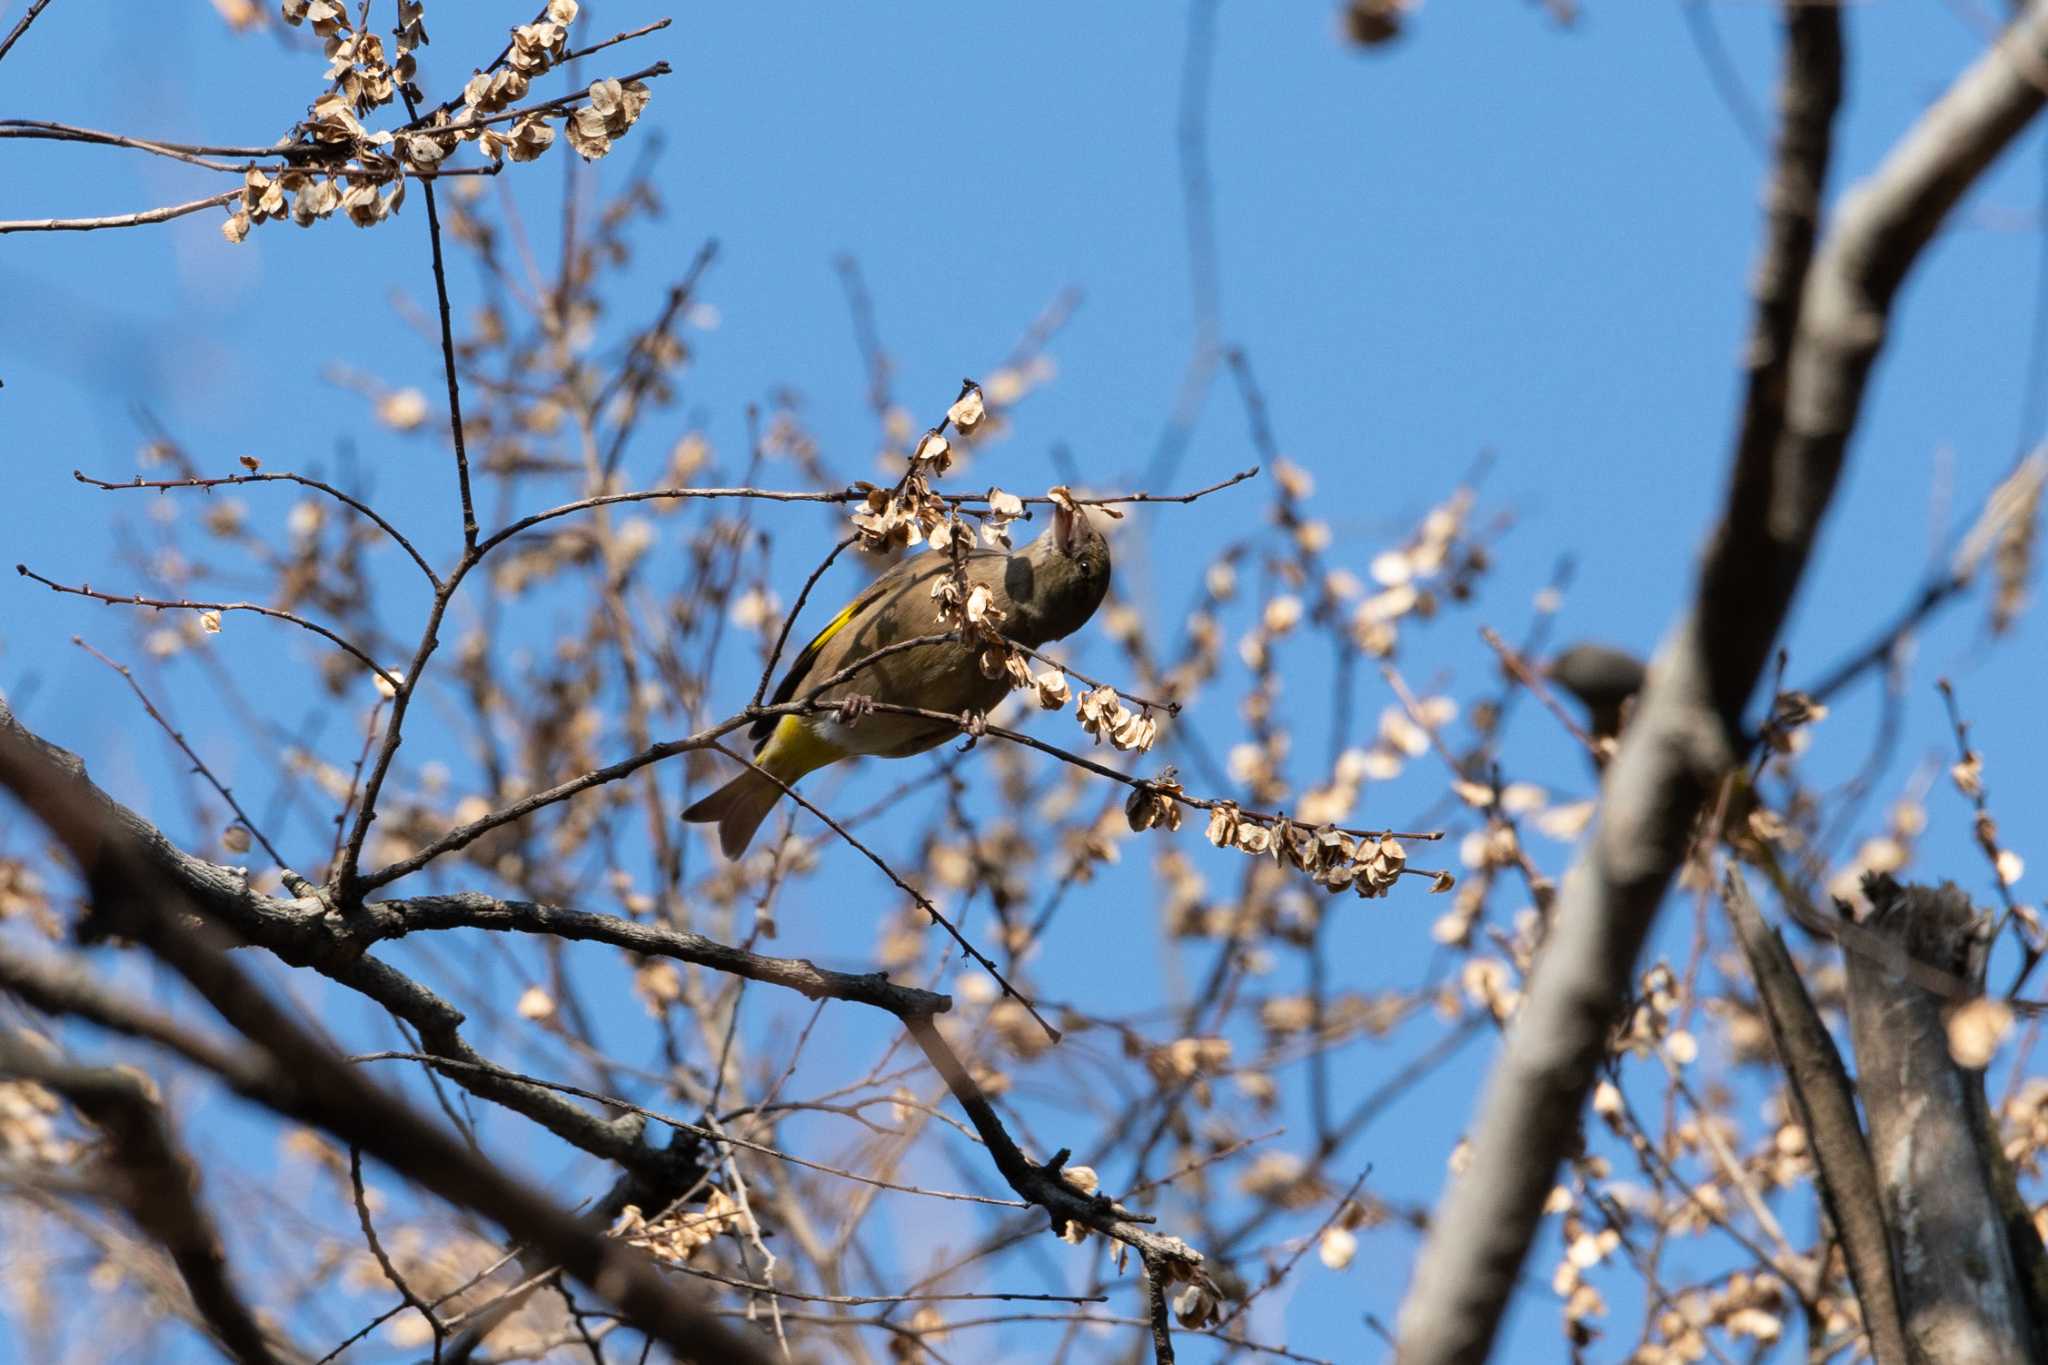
(1044, 591)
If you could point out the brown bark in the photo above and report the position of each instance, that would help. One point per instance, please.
(1961, 1289)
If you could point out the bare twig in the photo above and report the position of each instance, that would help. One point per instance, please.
(840, 495)
(789, 621)
(383, 920)
(21, 26)
(119, 220)
(198, 763)
(657, 26)
(405, 1291)
(288, 1069)
(924, 902)
(162, 604)
(149, 1174)
(693, 1129)
(229, 480)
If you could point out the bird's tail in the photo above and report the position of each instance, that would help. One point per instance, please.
(737, 808)
(792, 749)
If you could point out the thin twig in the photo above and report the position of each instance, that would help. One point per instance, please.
(856, 1300)
(198, 763)
(448, 367)
(161, 604)
(782, 639)
(118, 220)
(657, 26)
(842, 495)
(695, 1130)
(230, 480)
(21, 27)
(924, 902)
(413, 1300)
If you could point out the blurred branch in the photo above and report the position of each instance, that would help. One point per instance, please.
(303, 933)
(1824, 1102)
(1962, 1294)
(1811, 346)
(291, 1070)
(1816, 336)
(866, 335)
(213, 897)
(1723, 74)
(1968, 776)
(2014, 497)
(148, 1173)
(1198, 215)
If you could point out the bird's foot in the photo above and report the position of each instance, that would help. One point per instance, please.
(973, 724)
(854, 706)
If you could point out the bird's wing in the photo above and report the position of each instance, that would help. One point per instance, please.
(787, 689)
(797, 679)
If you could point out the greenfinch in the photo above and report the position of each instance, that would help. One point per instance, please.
(1043, 592)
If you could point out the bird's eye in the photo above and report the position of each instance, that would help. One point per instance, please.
(1085, 564)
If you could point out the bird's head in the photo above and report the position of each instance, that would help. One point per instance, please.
(1069, 573)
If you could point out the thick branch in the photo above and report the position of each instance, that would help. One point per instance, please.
(391, 919)
(1044, 1185)
(151, 1177)
(303, 934)
(1960, 1288)
(1817, 332)
(292, 1071)
(1825, 1103)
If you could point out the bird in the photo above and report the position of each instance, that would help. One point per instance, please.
(1605, 681)
(1044, 592)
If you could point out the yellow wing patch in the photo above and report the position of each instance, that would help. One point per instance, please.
(787, 690)
(818, 642)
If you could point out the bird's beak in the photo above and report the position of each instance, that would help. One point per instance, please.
(1066, 529)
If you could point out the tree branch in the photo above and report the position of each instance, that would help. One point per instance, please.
(1825, 1103)
(158, 1184)
(1813, 346)
(1687, 724)
(292, 1071)
(1961, 1294)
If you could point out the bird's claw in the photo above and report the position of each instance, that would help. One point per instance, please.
(973, 724)
(854, 706)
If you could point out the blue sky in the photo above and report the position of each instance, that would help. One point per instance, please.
(1493, 236)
